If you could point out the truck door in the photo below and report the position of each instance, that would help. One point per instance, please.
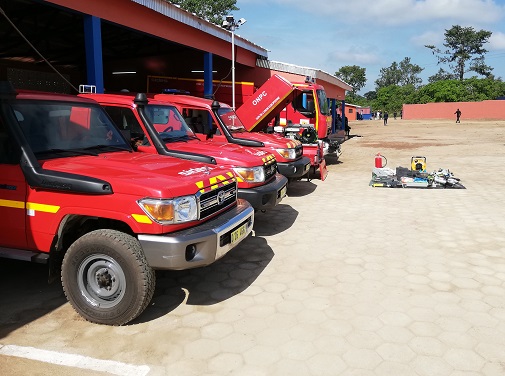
(12, 194)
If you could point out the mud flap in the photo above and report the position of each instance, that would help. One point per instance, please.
(323, 170)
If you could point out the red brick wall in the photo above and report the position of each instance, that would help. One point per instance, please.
(492, 110)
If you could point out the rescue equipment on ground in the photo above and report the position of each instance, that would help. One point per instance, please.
(418, 164)
(413, 177)
(380, 161)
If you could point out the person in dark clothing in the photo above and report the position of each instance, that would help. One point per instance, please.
(386, 116)
(394, 115)
(347, 127)
(458, 115)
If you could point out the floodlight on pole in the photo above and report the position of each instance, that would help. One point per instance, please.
(231, 25)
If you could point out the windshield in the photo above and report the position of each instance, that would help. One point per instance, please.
(231, 120)
(169, 123)
(71, 128)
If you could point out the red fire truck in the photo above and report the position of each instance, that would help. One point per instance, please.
(295, 110)
(75, 195)
(257, 178)
(219, 123)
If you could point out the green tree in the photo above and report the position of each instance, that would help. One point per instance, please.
(370, 95)
(469, 90)
(353, 75)
(441, 75)
(391, 98)
(403, 73)
(464, 51)
(211, 10)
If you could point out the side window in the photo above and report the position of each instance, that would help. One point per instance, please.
(9, 151)
(200, 120)
(125, 120)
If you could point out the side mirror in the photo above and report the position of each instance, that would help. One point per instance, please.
(208, 133)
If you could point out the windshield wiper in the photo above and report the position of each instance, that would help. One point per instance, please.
(179, 138)
(101, 146)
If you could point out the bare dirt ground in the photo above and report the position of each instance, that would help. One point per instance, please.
(443, 142)
(339, 279)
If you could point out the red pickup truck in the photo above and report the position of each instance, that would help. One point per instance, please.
(220, 124)
(75, 195)
(152, 122)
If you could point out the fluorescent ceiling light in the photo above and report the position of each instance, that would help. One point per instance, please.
(126, 72)
(201, 71)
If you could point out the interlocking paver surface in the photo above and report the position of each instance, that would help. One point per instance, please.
(340, 279)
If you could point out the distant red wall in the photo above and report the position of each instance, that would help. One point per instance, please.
(492, 110)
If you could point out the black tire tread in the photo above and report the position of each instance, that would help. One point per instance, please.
(122, 241)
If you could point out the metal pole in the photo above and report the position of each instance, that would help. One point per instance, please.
(233, 67)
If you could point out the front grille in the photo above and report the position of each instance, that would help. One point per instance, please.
(299, 151)
(217, 199)
(270, 169)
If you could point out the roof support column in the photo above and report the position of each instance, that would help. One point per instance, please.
(207, 75)
(93, 46)
(343, 115)
(333, 102)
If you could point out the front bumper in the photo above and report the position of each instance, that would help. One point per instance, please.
(210, 240)
(294, 169)
(265, 196)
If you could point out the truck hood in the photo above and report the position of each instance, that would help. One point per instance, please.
(145, 175)
(226, 154)
(270, 140)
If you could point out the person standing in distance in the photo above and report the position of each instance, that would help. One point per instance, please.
(458, 115)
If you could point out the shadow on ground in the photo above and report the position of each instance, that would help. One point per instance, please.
(215, 283)
(299, 188)
(25, 294)
(274, 221)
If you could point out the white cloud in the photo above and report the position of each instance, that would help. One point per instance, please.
(399, 12)
(497, 41)
(429, 37)
(352, 57)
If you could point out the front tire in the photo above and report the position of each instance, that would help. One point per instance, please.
(106, 278)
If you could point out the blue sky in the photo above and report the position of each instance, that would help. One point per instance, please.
(329, 34)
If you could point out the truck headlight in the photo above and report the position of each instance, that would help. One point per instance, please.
(168, 211)
(287, 153)
(251, 175)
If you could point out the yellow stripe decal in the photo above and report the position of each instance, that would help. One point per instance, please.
(12, 204)
(42, 207)
(30, 206)
(141, 218)
(216, 181)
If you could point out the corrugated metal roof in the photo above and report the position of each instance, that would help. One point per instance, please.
(303, 71)
(175, 12)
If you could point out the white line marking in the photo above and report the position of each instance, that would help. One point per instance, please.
(73, 360)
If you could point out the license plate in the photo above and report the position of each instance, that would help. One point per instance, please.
(238, 233)
(283, 191)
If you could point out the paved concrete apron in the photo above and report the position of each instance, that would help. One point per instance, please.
(341, 278)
